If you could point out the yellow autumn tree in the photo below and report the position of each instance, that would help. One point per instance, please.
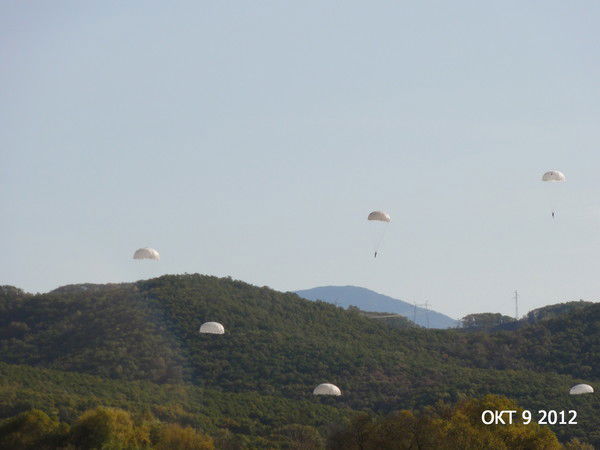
(108, 428)
(446, 428)
(174, 436)
(30, 430)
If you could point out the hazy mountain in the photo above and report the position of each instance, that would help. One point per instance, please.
(368, 300)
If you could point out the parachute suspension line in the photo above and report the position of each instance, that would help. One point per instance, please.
(380, 237)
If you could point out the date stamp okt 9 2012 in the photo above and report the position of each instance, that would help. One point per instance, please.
(543, 417)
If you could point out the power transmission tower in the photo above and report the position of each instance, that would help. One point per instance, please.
(426, 305)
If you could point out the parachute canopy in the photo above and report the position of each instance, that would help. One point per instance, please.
(146, 253)
(553, 176)
(579, 389)
(212, 328)
(379, 215)
(327, 389)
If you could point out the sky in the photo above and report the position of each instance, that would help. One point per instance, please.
(252, 139)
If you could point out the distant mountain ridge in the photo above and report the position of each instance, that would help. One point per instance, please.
(368, 300)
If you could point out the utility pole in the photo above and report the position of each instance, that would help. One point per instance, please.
(516, 305)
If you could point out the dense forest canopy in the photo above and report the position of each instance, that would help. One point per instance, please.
(279, 346)
(485, 321)
(550, 311)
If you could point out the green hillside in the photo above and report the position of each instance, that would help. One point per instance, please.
(279, 346)
(107, 330)
(568, 343)
(248, 418)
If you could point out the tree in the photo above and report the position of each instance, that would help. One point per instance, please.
(444, 428)
(108, 428)
(484, 321)
(173, 436)
(29, 430)
(300, 437)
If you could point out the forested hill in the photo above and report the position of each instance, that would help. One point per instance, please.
(278, 344)
(568, 343)
(496, 321)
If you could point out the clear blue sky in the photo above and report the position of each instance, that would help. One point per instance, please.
(252, 139)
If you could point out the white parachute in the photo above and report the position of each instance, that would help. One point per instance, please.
(212, 328)
(579, 389)
(327, 389)
(554, 176)
(146, 253)
(382, 221)
(380, 216)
